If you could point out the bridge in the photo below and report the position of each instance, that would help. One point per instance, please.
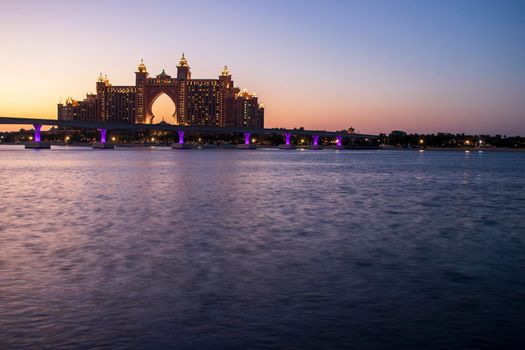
(182, 130)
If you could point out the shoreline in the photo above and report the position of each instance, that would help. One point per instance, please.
(453, 149)
(307, 147)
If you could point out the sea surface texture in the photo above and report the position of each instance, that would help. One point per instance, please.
(265, 249)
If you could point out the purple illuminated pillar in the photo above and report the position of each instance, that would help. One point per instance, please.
(287, 136)
(246, 138)
(316, 140)
(339, 140)
(103, 135)
(37, 131)
(181, 137)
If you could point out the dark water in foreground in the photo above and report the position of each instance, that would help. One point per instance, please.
(152, 249)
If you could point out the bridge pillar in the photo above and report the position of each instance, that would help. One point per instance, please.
(103, 144)
(103, 133)
(37, 142)
(180, 144)
(339, 142)
(315, 144)
(37, 132)
(246, 144)
(287, 144)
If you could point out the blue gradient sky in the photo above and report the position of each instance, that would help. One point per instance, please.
(415, 65)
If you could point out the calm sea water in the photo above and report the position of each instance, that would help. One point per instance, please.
(155, 249)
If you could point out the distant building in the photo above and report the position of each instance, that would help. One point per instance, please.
(211, 102)
(86, 110)
(398, 133)
(249, 113)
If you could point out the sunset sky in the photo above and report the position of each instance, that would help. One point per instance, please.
(413, 65)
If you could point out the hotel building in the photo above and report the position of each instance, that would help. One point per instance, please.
(210, 102)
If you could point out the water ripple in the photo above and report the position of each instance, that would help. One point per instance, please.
(153, 249)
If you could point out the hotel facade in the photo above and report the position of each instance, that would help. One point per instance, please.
(205, 102)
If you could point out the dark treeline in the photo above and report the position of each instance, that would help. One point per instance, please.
(395, 138)
(402, 139)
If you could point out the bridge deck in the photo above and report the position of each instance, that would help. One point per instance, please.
(169, 127)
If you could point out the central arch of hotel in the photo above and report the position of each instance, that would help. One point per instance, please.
(152, 94)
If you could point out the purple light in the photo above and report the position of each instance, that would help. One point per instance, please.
(37, 131)
(287, 135)
(246, 138)
(316, 140)
(103, 135)
(181, 137)
(339, 140)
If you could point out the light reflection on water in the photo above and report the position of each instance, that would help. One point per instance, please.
(260, 249)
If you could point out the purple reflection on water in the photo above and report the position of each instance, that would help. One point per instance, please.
(287, 135)
(316, 140)
(37, 131)
(181, 137)
(246, 138)
(103, 135)
(339, 140)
